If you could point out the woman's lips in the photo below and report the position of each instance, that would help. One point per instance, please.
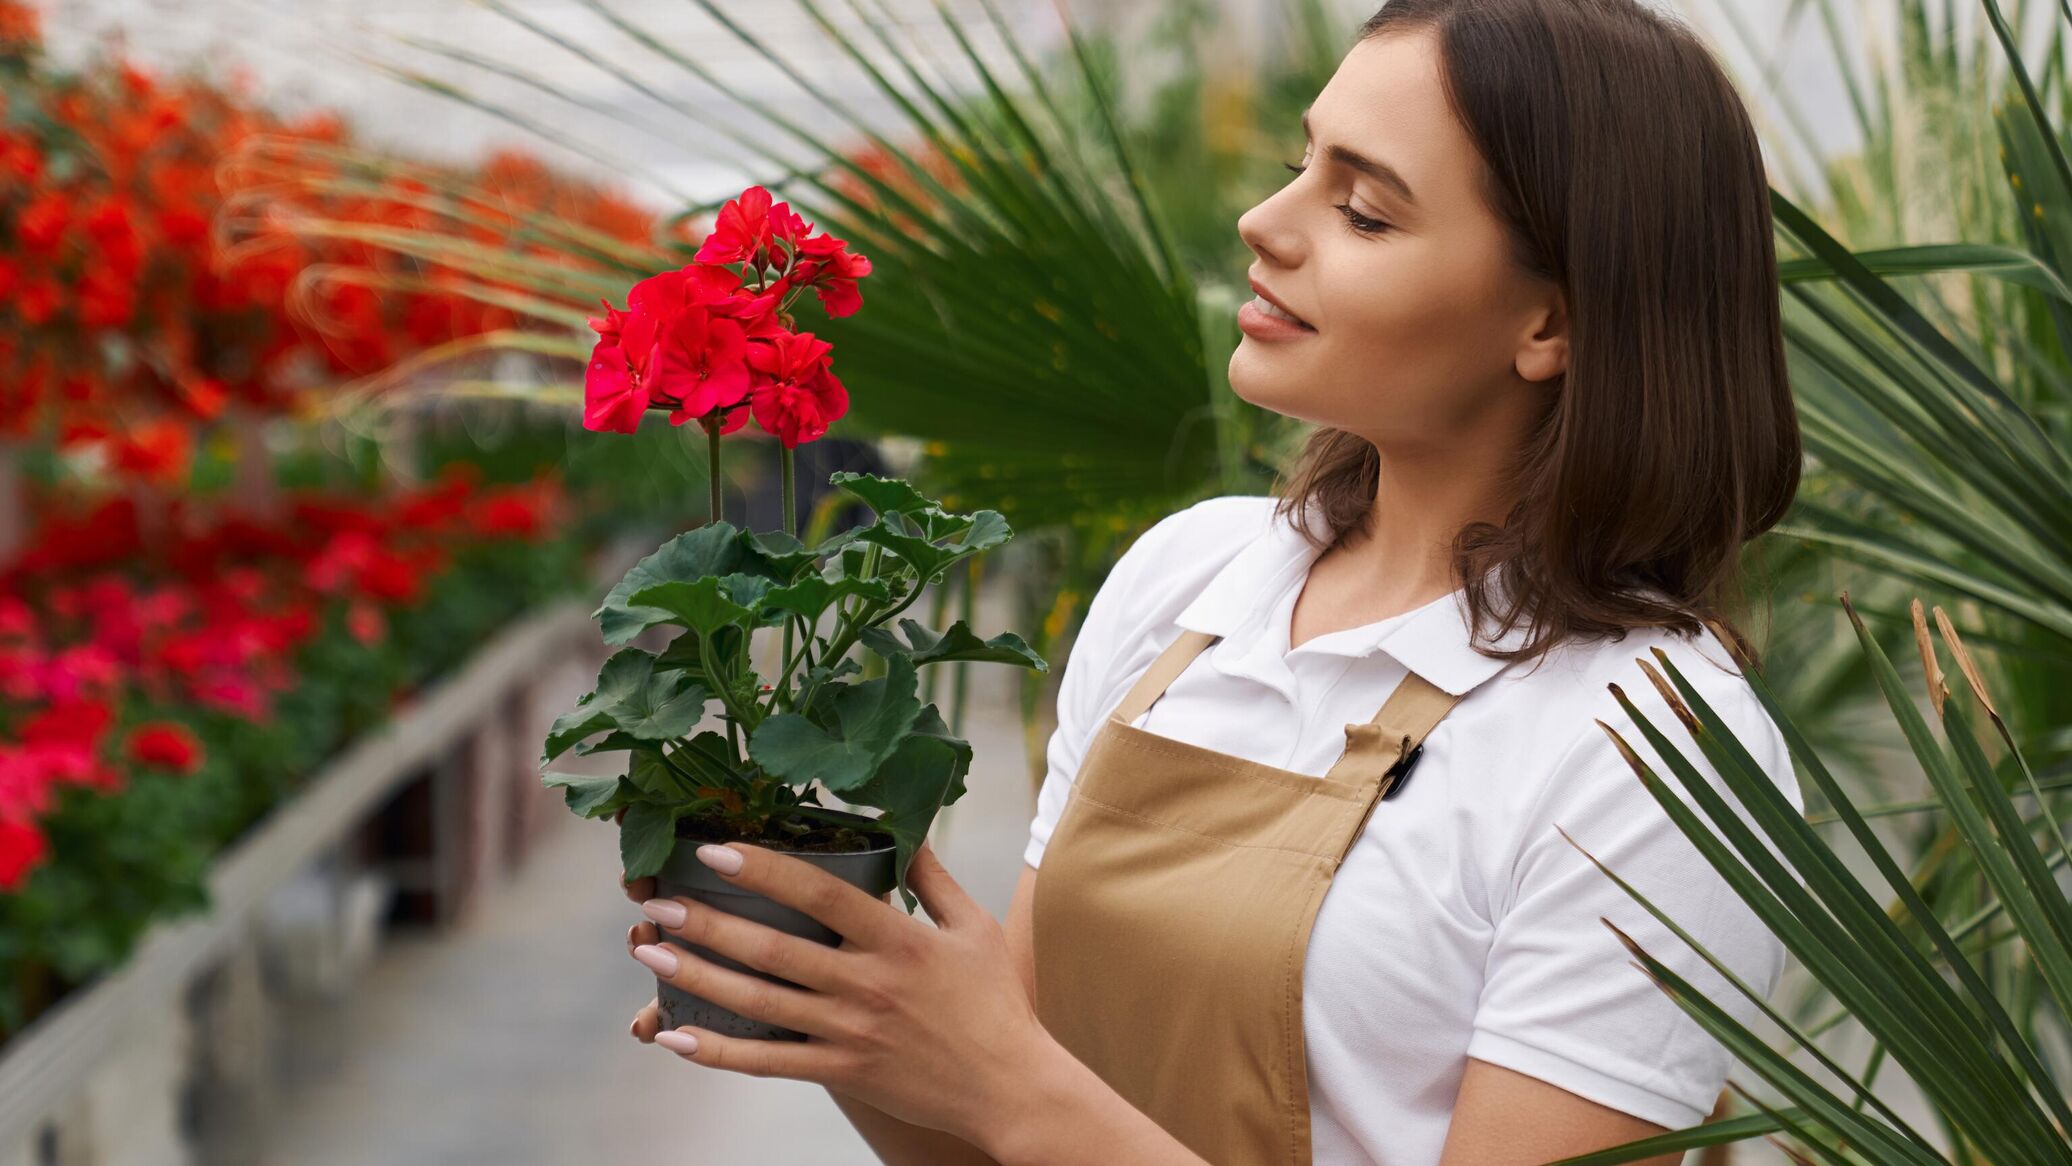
(1258, 323)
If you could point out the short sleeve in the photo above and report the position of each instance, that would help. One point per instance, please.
(1561, 1000)
(1084, 683)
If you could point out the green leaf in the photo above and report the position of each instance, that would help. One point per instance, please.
(1707, 1133)
(1943, 1040)
(873, 715)
(989, 529)
(585, 794)
(915, 780)
(653, 776)
(927, 559)
(783, 555)
(811, 596)
(709, 550)
(833, 544)
(611, 743)
(704, 605)
(883, 495)
(574, 725)
(686, 654)
(649, 704)
(646, 836)
(883, 790)
(711, 754)
(2008, 263)
(958, 643)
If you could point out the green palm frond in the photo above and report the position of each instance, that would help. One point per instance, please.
(1891, 967)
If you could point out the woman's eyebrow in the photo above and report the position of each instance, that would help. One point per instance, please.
(1347, 156)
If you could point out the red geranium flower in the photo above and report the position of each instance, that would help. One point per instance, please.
(22, 850)
(365, 622)
(796, 397)
(749, 225)
(826, 266)
(165, 745)
(613, 399)
(701, 364)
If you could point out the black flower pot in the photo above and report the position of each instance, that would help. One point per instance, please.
(683, 876)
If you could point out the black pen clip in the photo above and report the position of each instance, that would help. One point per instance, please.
(1399, 773)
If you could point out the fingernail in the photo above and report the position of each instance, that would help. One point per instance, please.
(720, 858)
(677, 1042)
(659, 958)
(667, 912)
(633, 1027)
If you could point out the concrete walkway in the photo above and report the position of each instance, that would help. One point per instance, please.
(503, 1040)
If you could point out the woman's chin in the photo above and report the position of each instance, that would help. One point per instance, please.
(1264, 380)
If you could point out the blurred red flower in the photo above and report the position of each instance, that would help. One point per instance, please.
(22, 849)
(165, 745)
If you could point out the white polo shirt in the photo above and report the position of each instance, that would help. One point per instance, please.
(1461, 923)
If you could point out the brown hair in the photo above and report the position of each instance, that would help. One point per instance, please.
(1625, 168)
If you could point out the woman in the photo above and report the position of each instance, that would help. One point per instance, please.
(1523, 282)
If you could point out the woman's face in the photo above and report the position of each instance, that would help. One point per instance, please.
(1422, 332)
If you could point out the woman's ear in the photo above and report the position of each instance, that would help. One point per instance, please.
(1543, 354)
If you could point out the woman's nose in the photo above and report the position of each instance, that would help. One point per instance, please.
(1265, 230)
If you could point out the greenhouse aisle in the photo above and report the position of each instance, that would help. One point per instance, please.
(504, 1040)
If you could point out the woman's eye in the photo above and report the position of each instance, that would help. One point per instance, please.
(1361, 223)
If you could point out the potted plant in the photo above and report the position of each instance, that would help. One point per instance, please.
(714, 345)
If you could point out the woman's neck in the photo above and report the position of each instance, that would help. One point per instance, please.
(1422, 500)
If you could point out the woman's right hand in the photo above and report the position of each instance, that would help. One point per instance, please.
(648, 1021)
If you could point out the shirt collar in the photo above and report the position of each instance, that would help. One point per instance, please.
(1432, 641)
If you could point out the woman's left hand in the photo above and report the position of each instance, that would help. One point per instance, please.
(929, 1024)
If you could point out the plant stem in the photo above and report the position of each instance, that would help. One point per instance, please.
(785, 459)
(791, 662)
(724, 690)
(712, 461)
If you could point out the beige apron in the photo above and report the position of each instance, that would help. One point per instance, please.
(1173, 913)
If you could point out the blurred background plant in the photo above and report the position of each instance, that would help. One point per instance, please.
(208, 593)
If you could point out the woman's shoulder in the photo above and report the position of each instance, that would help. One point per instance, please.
(1580, 682)
(1162, 571)
(1226, 521)
(1174, 557)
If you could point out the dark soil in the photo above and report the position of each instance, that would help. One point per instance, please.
(786, 834)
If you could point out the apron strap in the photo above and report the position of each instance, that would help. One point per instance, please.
(1373, 751)
(1379, 753)
(1381, 750)
(1169, 664)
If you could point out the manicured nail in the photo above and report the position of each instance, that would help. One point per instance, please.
(667, 912)
(659, 958)
(720, 858)
(677, 1042)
